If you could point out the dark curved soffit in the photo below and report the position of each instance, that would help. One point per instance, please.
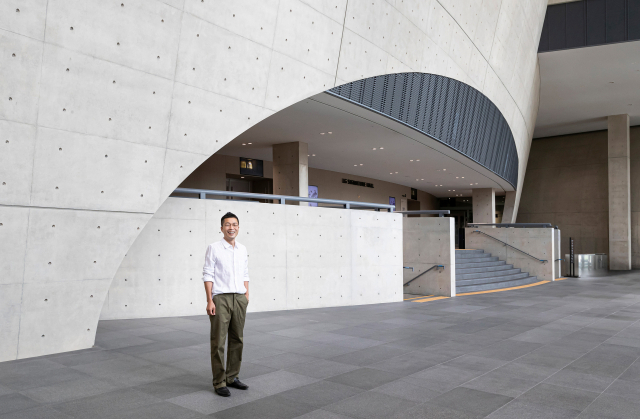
(446, 110)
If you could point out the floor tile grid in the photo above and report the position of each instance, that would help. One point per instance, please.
(601, 393)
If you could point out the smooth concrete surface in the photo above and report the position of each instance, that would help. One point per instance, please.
(483, 201)
(567, 349)
(427, 242)
(566, 185)
(113, 104)
(291, 169)
(299, 257)
(510, 210)
(537, 242)
(619, 193)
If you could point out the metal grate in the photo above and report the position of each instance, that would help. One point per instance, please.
(445, 109)
(590, 22)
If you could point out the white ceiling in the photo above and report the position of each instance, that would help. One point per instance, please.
(580, 87)
(355, 132)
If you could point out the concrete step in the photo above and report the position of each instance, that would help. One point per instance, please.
(490, 274)
(491, 279)
(479, 264)
(487, 258)
(496, 285)
(502, 267)
(462, 251)
(470, 254)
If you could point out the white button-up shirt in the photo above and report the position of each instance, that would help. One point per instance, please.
(227, 267)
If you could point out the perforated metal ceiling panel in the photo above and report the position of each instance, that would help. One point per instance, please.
(446, 110)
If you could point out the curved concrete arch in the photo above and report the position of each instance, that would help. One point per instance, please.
(107, 106)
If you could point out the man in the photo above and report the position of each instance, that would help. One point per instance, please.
(226, 281)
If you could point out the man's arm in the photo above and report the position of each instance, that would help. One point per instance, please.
(207, 277)
(211, 307)
(246, 276)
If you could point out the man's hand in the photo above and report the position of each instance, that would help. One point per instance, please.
(247, 295)
(211, 308)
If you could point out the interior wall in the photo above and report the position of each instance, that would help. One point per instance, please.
(566, 185)
(213, 173)
(299, 257)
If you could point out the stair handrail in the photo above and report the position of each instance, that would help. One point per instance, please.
(507, 244)
(411, 280)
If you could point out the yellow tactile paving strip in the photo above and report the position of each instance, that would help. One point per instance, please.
(426, 298)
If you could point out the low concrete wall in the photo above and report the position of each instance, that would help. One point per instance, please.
(538, 242)
(299, 257)
(429, 241)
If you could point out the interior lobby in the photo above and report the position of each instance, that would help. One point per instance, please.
(439, 202)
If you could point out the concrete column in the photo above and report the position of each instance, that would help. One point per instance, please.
(291, 169)
(484, 205)
(619, 194)
(509, 214)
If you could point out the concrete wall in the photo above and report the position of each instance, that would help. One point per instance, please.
(567, 185)
(299, 257)
(538, 242)
(427, 242)
(154, 88)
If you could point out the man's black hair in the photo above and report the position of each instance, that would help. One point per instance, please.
(228, 215)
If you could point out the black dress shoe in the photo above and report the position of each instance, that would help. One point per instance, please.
(223, 391)
(238, 384)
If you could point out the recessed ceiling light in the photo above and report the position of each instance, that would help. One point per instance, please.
(360, 164)
(417, 179)
(471, 184)
(457, 177)
(241, 177)
(313, 155)
(391, 173)
(249, 143)
(381, 148)
(396, 172)
(307, 155)
(421, 179)
(417, 160)
(330, 132)
(374, 149)
(322, 133)
(410, 160)
(476, 183)
(355, 165)
(444, 170)
(462, 177)
(243, 144)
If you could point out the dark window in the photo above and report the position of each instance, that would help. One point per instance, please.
(633, 22)
(575, 25)
(596, 14)
(615, 21)
(557, 17)
(544, 37)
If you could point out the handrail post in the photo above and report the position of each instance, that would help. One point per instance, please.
(203, 195)
(282, 201)
(347, 206)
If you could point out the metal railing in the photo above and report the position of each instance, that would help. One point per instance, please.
(507, 244)
(203, 193)
(411, 280)
(514, 225)
(440, 213)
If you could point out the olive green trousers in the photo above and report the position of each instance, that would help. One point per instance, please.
(231, 310)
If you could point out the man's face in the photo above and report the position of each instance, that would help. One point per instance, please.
(230, 228)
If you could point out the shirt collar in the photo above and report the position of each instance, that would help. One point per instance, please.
(226, 244)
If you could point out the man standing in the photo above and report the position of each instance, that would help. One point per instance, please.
(226, 281)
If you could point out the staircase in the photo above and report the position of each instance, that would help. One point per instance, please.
(479, 271)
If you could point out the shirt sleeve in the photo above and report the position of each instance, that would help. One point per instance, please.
(246, 266)
(209, 265)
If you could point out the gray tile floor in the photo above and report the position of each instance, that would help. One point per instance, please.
(562, 350)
